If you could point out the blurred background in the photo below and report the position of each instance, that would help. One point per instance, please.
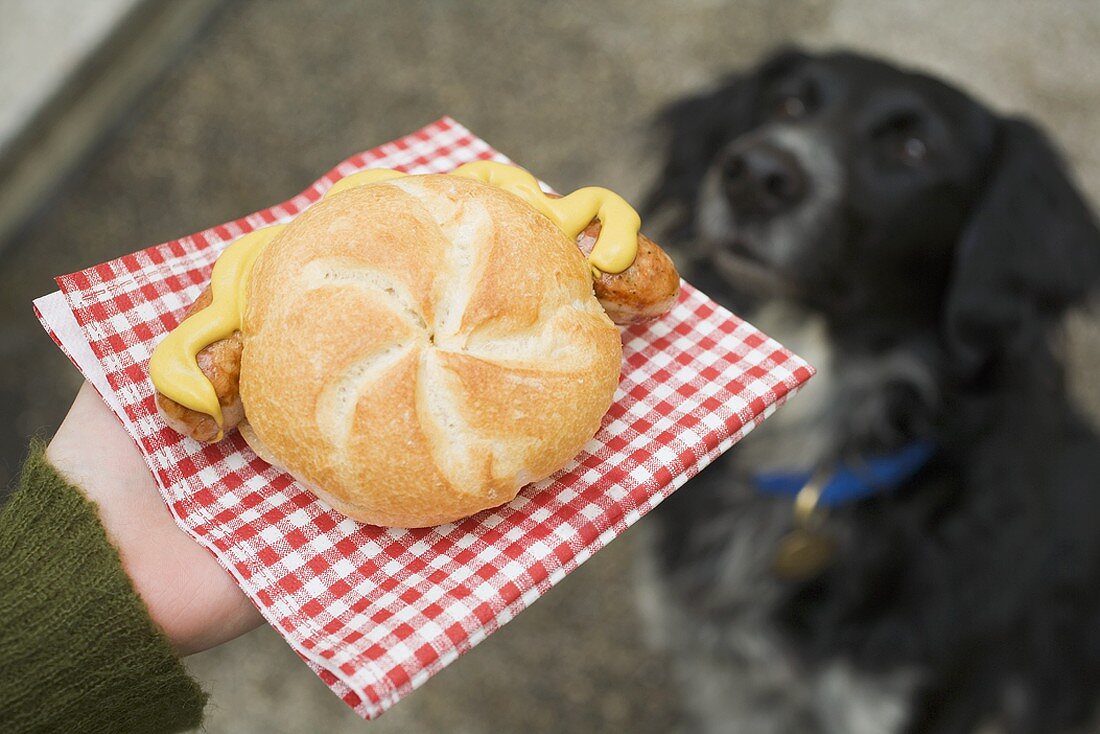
(125, 123)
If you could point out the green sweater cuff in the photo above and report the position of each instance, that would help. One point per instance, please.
(78, 650)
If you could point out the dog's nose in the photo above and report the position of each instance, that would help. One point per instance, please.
(764, 178)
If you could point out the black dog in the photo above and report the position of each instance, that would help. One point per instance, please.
(922, 252)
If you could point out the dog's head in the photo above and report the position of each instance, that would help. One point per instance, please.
(859, 187)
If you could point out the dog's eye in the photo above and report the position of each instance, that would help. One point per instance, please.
(902, 138)
(912, 149)
(794, 100)
(790, 107)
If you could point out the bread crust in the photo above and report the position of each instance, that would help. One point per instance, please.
(417, 350)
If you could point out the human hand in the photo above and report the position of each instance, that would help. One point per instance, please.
(189, 596)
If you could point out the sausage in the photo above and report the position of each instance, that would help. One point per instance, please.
(644, 291)
(221, 363)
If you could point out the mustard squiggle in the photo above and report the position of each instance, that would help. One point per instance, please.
(173, 366)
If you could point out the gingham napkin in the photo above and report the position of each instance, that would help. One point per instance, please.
(375, 612)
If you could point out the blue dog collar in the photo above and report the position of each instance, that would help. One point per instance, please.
(853, 482)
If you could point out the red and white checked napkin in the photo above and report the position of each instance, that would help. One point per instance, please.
(374, 611)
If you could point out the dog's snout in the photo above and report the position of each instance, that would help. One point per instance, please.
(763, 177)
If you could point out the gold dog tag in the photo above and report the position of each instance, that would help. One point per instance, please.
(803, 554)
(806, 551)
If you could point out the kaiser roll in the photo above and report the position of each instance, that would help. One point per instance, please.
(417, 350)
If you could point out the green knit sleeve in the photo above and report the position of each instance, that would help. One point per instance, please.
(78, 651)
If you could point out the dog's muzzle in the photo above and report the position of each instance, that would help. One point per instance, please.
(762, 178)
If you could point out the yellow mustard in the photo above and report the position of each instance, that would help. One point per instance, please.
(617, 244)
(355, 180)
(173, 366)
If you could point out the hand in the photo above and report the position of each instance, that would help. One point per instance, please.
(189, 596)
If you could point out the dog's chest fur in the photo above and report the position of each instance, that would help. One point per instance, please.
(713, 610)
(794, 437)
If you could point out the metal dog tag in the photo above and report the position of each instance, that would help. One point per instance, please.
(803, 554)
(807, 550)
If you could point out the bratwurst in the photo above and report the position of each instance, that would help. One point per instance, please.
(221, 363)
(644, 291)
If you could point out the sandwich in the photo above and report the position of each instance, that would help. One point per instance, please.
(416, 349)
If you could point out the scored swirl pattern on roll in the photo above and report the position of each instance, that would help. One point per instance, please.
(449, 337)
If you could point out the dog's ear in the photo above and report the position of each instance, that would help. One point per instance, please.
(698, 127)
(1030, 250)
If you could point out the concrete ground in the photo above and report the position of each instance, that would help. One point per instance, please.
(279, 90)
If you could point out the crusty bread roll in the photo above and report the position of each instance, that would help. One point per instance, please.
(415, 351)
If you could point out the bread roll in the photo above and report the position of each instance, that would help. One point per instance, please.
(415, 351)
